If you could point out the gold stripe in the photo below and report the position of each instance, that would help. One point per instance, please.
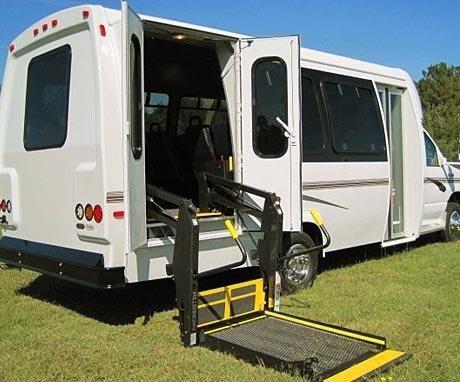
(342, 332)
(363, 368)
(236, 324)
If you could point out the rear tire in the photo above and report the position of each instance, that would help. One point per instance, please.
(300, 272)
(452, 228)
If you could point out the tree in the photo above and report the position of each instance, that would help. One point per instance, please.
(439, 91)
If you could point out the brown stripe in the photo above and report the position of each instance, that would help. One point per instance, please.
(345, 184)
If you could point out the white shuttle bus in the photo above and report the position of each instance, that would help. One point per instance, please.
(121, 132)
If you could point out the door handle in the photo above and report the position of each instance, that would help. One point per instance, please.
(441, 186)
(287, 130)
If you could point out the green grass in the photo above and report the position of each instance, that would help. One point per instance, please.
(54, 330)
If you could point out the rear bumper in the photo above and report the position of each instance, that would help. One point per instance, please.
(81, 267)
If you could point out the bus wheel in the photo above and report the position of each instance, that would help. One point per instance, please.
(299, 272)
(452, 230)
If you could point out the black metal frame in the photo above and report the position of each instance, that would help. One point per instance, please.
(184, 267)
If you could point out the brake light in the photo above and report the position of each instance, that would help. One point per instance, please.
(36, 32)
(102, 30)
(44, 27)
(3, 205)
(54, 23)
(97, 213)
(89, 212)
(85, 14)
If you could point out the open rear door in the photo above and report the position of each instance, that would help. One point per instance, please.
(270, 118)
(133, 127)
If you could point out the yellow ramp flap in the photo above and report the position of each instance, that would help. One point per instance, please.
(370, 366)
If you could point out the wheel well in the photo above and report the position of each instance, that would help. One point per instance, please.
(314, 232)
(455, 197)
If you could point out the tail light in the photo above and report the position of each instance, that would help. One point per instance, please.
(97, 213)
(3, 205)
(89, 212)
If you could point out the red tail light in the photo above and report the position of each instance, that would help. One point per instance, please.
(54, 23)
(97, 213)
(85, 14)
(44, 27)
(89, 212)
(11, 48)
(102, 30)
(3, 205)
(36, 32)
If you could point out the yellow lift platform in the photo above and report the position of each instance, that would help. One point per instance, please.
(240, 319)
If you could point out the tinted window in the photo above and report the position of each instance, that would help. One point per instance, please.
(156, 111)
(199, 111)
(355, 119)
(136, 97)
(47, 99)
(431, 153)
(269, 102)
(312, 129)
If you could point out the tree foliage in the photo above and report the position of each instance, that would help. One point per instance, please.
(439, 91)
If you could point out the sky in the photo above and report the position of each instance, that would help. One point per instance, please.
(410, 34)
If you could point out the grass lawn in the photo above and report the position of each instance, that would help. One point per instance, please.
(54, 330)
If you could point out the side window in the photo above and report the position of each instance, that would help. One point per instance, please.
(431, 152)
(156, 111)
(136, 97)
(312, 129)
(47, 99)
(355, 119)
(269, 101)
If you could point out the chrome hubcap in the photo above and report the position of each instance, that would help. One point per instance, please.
(454, 224)
(296, 269)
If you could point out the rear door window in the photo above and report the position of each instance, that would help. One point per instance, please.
(269, 103)
(47, 99)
